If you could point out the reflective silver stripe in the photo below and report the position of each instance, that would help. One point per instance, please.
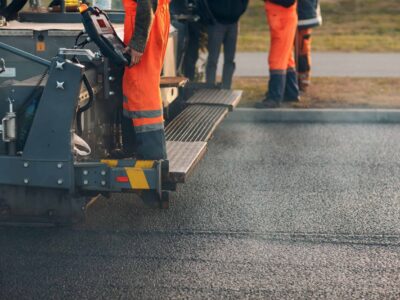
(277, 72)
(310, 22)
(149, 127)
(314, 21)
(291, 69)
(143, 114)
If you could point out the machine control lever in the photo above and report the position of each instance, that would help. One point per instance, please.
(79, 52)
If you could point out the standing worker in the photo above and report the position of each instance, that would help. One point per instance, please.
(282, 86)
(146, 34)
(190, 33)
(224, 31)
(188, 37)
(309, 16)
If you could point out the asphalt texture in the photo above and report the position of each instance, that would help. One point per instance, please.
(281, 211)
(326, 64)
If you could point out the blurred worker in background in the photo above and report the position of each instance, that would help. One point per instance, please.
(309, 14)
(283, 85)
(178, 9)
(223, 32)
(146, 29)
(190, 17)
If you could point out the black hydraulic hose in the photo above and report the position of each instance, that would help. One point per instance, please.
(34, 93)
(81, 110)
(78, 36)
(25, 118)
(91, 95)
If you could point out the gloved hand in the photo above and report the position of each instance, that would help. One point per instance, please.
(135, 56)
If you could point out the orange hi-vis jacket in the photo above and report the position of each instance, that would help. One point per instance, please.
(141, 83)
(283, 25)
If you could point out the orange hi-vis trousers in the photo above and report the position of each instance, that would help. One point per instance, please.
(141, 83)
(282, 23)
(303, 56)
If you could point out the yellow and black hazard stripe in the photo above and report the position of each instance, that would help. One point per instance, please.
(135, 175)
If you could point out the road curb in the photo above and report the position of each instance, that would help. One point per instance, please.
(291, 115)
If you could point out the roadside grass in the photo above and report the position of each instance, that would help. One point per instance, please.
(329, 92)
(349, 25)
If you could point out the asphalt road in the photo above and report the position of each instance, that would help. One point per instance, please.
(283, 211)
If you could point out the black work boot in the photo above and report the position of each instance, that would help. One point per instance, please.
(267, 104)
(304, 81)
(276, 89)
(292, 93)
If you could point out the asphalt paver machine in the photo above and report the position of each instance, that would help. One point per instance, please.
(63, 138)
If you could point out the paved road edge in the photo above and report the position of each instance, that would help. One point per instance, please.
(316, 115)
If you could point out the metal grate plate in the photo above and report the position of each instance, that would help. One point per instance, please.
(183, 157)
(229, 98)
(195, 123)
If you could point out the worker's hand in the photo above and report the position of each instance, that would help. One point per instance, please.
(135, 56)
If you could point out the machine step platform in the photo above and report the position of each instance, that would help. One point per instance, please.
(228, 98)
(173, 82)
(187, 135)
(196, 123)
(183, 157)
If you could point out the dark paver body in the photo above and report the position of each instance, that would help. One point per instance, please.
(274, 211)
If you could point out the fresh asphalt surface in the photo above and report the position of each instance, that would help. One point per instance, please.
(293, 211)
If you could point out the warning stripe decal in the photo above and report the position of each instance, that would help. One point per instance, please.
(137, 179)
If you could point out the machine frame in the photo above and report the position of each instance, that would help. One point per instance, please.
(63, 92)
(47, 181)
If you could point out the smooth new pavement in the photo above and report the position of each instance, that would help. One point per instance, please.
(283, 211)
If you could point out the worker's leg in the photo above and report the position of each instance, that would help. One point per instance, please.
(282, 22)
(304, 57)
(151, 145)
(141, 87)
(192, 51)
(216, 34)
(182, 44)
(230, 42)
(292, 87)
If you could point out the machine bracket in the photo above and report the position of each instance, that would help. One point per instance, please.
(60, 65)
(79, 52)
(60, 85)
(119, 176)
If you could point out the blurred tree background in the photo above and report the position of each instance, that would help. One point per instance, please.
(349, 25)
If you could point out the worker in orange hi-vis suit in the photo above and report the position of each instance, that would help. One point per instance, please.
(303, 57)
(282, 86)
(147, 25)
(309, 15)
